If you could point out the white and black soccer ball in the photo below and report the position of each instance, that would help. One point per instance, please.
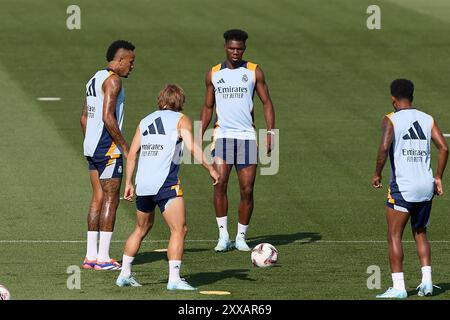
(4, 293)
(264, 255)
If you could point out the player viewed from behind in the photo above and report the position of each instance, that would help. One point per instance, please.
(159, 139)
(101, 122)
(406, 135)
(230, 86)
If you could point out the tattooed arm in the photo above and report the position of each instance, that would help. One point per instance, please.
(387, 136)
(83, 118)
(111, 89)
(441, 145)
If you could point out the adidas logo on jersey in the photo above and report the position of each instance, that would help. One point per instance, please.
(412, 134)
(221, 81)
(154, 127)
(91, 89)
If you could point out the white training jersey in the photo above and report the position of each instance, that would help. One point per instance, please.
(234, 89)
(98, 142)
(161, 152)
(411, 173)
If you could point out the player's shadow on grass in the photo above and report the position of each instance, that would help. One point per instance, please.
(204, 278)
(283, 239)
(443, 287)
(152, 256)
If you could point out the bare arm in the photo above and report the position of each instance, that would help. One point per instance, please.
(441, 145)
(83, 118)
(111, 89)
(269, 113)
(387, 136)
(185, 128)
(131, 165)
(208, 106)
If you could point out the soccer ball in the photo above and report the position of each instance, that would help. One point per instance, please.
(264, 255)
(4, 293)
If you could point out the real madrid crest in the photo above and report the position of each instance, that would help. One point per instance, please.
(244, 78)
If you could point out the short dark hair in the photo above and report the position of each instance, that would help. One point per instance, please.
(115, 46)
(402, 89)
(235, 34)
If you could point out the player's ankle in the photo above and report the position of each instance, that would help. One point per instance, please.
(398, 281)
(242, 230)
(426, 274)
(224, 235)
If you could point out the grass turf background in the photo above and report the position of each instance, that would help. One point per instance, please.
(328, 76)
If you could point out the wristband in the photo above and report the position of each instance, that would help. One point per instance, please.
(270, 132)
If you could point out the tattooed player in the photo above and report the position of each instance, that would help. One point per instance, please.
(101, 121)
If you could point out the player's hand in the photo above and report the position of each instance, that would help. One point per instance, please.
(125, 150)
(215, 176)
(376, 182)
(129, 192)
(269, 143)
(438, 190)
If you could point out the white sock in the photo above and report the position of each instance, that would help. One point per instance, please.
(174, 270)
(222, 223)
(92, 238)
(399, 282)
(126, 266)
(426, 274)
(103, 248)
(242, 230)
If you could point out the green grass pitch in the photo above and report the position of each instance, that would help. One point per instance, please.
(328, 76)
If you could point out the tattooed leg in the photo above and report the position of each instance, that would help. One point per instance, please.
(111, 189)
(95, 207)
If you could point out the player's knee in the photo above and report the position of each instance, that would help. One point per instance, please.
(420, 235)
(94, 214)
(183, 230)
(96, 203)
(111, 200)
(394, 237)
(389, 239)
(97, 194)
(95, 208)
(142, 230)
(221, 187)
(419, 231)
(180, 230)
(246, 192)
